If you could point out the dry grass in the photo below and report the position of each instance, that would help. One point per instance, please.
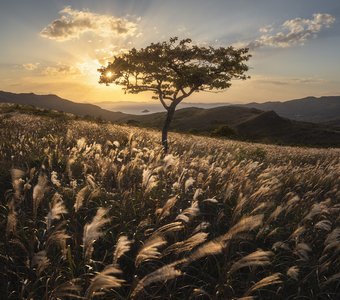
(97, 211)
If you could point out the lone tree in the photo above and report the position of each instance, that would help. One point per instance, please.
(174, 70)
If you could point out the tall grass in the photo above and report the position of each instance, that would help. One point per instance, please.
(97, 211)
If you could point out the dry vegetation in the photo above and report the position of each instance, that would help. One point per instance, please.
(96, 211)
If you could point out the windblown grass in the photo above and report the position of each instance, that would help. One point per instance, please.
(97, 211)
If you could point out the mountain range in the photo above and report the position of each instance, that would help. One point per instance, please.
(272, 122)
(309, 109)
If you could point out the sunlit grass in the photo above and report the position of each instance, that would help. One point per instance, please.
(97, 211)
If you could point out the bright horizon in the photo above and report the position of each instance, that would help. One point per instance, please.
(55, 47)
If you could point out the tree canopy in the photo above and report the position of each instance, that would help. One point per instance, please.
(174, 70)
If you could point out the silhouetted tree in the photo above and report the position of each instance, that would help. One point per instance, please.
(174, 70)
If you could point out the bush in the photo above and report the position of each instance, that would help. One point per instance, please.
(224, 130)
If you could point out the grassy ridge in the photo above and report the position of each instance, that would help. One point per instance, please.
(92, 210)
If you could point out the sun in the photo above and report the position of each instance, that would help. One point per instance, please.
(108, 74)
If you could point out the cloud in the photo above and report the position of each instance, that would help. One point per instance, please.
(31, 66)
(73, 23)
(266, 29)
(292, 32)
(60, 69)
(282, 81)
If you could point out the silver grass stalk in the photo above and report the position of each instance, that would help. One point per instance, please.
(169, 160)
(104, 280)
(332, 240)
(241, 201)
(218, 244)
(198, 192)
(12, 219)
(17, 182)
(187, 244)
(333, 278)
(202, 226)
(171, 227)
(255, 259)
(165, 210)
(40, 261)
(297, 232)
(293, 272)
(291, 203)
(93, 231)
(149, 180)
(38, 193)
(274, 215)
(150, 250)
(269, 280)
(91, 181)
(209, 248)
(318, 209)
(57, 209)
(199, 293)
(261, 206)
(229, 191)
(280, 245)
(245, 224)
(188, 183)
(325, 225)
(162, 274)
(123, 245)
(17, 173)
(59, 238)
(54, 179)
(302, 250)
(189, 213)
(80, 197)
(69, 289)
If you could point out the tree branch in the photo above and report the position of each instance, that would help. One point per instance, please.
(185, 94)
(160, 95)
(162, 101)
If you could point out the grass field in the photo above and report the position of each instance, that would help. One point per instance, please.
(91, 210)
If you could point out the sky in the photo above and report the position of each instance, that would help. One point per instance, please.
(56, 46)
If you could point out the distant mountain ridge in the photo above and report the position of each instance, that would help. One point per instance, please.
(234, 121)
(309, 109)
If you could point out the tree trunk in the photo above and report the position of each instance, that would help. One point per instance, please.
(169, 116)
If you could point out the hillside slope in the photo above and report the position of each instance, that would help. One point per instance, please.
(237, 122)
(56, 103)
(199, 119)
(247, 124)
(269, 127)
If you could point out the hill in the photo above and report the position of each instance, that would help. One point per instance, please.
(59, 104)
(309, 109)
(247, 124)
(237, 122)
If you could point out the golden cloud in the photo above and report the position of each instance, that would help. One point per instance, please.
(73, 23)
